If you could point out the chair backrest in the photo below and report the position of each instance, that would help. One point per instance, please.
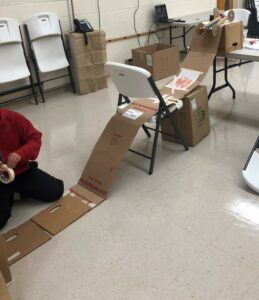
(50, 54)
(131, 81)
(12, 60)
(241, 14)
(9, 31)
(45, 37)
(42, 25)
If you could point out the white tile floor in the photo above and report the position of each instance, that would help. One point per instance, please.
(189, 231)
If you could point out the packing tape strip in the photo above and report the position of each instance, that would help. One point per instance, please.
(7, 179)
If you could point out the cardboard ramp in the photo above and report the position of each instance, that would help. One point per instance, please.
(61, 214)
(4, 294)
(23, 239)
(4, 267)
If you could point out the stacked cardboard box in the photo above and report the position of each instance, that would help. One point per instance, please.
(88, 61)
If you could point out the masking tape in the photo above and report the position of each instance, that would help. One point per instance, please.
(7, 179)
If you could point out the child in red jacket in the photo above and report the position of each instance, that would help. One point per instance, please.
(20, 144)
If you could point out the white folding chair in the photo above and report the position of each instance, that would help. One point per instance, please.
(251, 169)
(13, 62)
(47, 46)
(135, 82)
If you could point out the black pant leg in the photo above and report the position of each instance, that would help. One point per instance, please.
(6, 202)
(39, 185)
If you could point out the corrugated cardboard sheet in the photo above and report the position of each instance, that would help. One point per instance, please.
(23, 239)
(4, 267)
(4, 294)
(61, 214)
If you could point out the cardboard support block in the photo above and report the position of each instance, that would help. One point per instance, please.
(4, 293)
(24, 239)
(4, 268)
(61, 214)
(192, 120)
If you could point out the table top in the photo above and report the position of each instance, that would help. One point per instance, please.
(192, 20)
(245, 54)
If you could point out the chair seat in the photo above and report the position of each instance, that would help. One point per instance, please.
(50, 54)
(12, 62)
(251, 174)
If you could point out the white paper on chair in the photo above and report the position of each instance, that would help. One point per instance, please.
(251, 44)
(184, 79)
(132, 114)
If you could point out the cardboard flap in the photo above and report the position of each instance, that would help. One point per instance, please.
(61, 214)
(4, 294)
(23, 239)
(148, 108)
(4, 268)
(91, 198)
(99, 174)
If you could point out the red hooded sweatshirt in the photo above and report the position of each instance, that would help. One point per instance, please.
(18, 135)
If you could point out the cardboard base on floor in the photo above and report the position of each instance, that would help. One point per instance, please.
(60, 215)
(23, 239)
(4, 294)
(4, 267)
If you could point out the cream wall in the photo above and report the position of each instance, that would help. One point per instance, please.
(116, 17)
(20, 9)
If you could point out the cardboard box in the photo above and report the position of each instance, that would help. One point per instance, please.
(231, 37)
(88, 62)
(192, 120)
(160, 60)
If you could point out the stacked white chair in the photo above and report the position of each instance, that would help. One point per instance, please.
(46, 43)
(13, 61)
(135, 82)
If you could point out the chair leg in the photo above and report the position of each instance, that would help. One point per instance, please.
(177, 131)
(153, 156)
(146, 131)
(33, 90)
(71, 79)
(40, 84)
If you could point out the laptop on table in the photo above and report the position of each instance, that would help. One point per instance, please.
(161, 14)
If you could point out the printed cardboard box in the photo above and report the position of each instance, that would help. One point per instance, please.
(192, 120)
(160, 60)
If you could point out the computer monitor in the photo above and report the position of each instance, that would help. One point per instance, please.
(161, 14)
